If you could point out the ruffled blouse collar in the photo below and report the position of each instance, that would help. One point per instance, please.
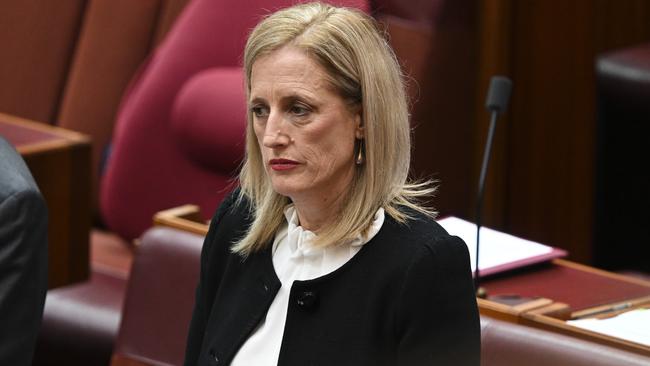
(300, 240)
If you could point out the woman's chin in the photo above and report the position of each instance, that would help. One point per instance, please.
(285, 190)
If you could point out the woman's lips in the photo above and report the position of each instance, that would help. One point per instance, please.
(282, 164)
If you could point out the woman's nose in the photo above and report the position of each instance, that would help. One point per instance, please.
(274, 135)
(276, 139)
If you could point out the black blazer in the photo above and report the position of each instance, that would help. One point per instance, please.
(23, 259)
(406, 298)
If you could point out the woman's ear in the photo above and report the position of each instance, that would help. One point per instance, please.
(359, 132)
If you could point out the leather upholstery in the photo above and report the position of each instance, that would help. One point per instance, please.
(80, 322)
(193, 125)
(624, 77)
(39, 37)
(160, 297)
(506, 344)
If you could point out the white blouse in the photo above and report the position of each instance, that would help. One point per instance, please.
(295, 259)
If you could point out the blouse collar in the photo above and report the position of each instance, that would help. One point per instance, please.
(301, 240)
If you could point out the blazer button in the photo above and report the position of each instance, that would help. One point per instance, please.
(214, 357)
(307, 300)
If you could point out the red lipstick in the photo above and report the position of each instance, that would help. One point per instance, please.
(282, 164)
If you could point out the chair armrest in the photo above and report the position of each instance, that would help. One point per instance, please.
(184, 218)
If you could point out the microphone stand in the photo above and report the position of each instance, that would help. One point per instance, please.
(496, 102)
(480, 291)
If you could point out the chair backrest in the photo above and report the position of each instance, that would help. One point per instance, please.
(179, 135)
(159, 299)
(506, 344)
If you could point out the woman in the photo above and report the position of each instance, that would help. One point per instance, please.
(324, 256)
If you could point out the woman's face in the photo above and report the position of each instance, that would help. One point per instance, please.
(305, 130)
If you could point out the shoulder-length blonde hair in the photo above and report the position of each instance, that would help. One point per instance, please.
(363, 69)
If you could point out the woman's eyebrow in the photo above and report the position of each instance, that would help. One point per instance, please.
(257, 100)
(301, 97)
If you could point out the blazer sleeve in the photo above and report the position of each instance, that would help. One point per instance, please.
(437, 317)
(23, 274)
(203, 301)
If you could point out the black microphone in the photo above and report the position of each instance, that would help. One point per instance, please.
(496, 102)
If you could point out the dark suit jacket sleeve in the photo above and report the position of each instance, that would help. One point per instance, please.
(23, 274)
(438, 322)
(203, 301)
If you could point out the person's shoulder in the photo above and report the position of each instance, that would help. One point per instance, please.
(417, 227)
(421, 233)
(15, 181)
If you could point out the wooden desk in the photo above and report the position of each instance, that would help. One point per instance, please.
(565, 285)
(59, 160)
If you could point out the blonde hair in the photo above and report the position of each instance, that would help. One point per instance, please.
(363, 69)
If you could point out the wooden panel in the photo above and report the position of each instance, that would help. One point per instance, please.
(37, 39)
(61, 168)
(541, 182)
(552, 132)
(495, 52)
(443, 114)
(621, 23)
(115, 39)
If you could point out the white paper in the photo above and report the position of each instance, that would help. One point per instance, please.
(632, 325)
(496, 248)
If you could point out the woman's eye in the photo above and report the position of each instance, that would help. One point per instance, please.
(260, 111)
(299, 110)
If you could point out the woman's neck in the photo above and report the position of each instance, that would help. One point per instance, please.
(317, 213)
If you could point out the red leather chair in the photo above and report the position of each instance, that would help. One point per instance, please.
(507, 344)
(179, 138)
(159, 299)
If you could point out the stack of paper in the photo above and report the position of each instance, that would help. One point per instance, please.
(499, 251)
(633, 326)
